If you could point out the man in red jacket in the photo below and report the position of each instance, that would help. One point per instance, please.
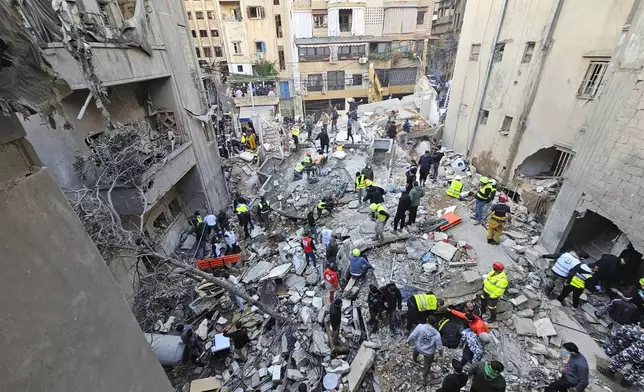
(475, 322)
(331, 280)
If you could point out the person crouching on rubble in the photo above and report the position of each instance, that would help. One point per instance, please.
(632, 355)
(450, 332)
(499, 214)
(230, 239)
(574, 376)
(382, 216)
(558, 274)
(376, 304)
(240, 339)
(427, 341)
(297, 172)
(419, 306)
(473, 346)
(358, 265)
(327, 203)
(393, 303)
(319, 160)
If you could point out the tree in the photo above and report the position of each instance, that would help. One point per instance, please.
(264, 68)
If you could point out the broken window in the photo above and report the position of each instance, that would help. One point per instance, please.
(203, 33)
(255, 12)
(175, 207)
(199, 14)
(214, 33)
(474, 52)
(505, 127)
(236, 47)
(483, 116)
(528, 52)
(345, 20)
(498, 52)
(592, 79)
(314, 82)
(160, 223)
(335, 80)
(218, 51)
(562, 161)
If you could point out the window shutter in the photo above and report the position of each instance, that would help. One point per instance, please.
(260, 12)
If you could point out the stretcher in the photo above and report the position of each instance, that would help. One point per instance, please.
(452, 220)
(217, 262)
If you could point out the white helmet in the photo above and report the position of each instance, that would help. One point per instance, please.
(458, 178)
(493, 182)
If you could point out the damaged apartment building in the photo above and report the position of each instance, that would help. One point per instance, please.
(127, 66)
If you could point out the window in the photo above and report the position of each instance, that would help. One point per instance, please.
(236, 47)
(383, 76)
(175, 207)
(380, 47)
(240, 68)
(194, 33)
(207, 52)
(276, 2)
(278, 26)
(211, 15)
(106, 15)
(528, 52)
(420, 17)
(319, 21)
(189, 15)
(402, 76)
(356, 79)
(260, 47)
(345, 20)
(505, 127)
(203, 33)
(160, 223)
(335, 80)
(351, 52)
(498, 52)
(218, 52)
(198, 52)
(281, 58)
(314, 54)
(483, 116)
(592, 79)
(315, 82)
(214, 33)
(255, 12)
(199, 14)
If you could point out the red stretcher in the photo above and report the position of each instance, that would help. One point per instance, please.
(218, 262)
(452, 220)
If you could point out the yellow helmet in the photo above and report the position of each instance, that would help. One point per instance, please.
(356, 252)
(368, 182)
(373, 206)
(484, 180)
(642, 282)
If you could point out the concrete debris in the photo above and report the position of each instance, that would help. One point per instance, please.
(444, 250)
(257, 271)
(295, 375)
(518, 301)
(319, 345)
(524, 326)
(429, 268)
(471, 277)
(295, 282)
(544, 328)
(360, 366)
(277, 272)
(525, 313)
(338, 366)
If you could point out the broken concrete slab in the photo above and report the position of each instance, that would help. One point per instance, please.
(300, 358)
(428, 268)
(295, 282)
(257, 271)
(318, 302)
(524, 327)
(471, 276)
(518, 301)
(528, 313)
(361, 364)
(517, 235)
(544, 328)
(276, 372)
(319, 345)
(294, 374)
(205, 385)
(189, 242)
(398, 247)
(295, 298)
(338, 366)
(444, 250)
(278, 272)
(571, 331)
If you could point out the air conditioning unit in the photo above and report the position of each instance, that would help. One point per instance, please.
(363, 60)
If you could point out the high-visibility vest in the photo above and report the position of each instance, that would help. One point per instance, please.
(360, 182)
(295, 131)
(199, 219)
(261, 207)
(299, 167)
(308, 160)
(495, 285)
(482, 191)
(321, 205)
(564, 264)
(379, 216)
(579, 280)
(454, 189)
(241, 208)
(426, 302)
(306, 245)
(243, 139)
(442, 323)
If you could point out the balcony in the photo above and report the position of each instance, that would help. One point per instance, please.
(444, 20)
(259, 100)
(113, 64)
(334, 3)
(400, 3)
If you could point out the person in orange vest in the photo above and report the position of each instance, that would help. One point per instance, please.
(494, 286)
(475, 323)
(331, 280)
(309, 249)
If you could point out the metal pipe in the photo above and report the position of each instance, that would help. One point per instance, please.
(487, 76)
(551, 24)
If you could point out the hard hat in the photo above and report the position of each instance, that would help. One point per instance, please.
(458, 178)
(368, 182)
(484, 180)
(373, 206)
(498, 266)
(642, 282)
(503, 198)
(356, 252)
(308, 153)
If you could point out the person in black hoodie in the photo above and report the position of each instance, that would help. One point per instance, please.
(403, 206)
(436, 162)
(454, 381)
(410, 175)
(335, 316)
(375, 301)
(324, 140)
(450, 332)
(392, 302)
(374, 194)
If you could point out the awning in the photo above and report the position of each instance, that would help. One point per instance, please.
(266, 112)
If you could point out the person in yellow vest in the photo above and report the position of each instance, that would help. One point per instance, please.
(295, 132)
(244, 139)
(455, 188)
(421, 305)
(327, 203)
(575, 284)
(483, 196)
(308, 164)
(382, 216)
(252, 141)
(494, 286)
(243, 214)
(499, 214)
(361, 184)
(297, 173)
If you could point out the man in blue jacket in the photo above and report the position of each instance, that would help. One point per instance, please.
(427, 342)
(358, 265)
(574, 376)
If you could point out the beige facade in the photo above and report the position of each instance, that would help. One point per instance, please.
(525, 77)
(205, 30)
(337, 40)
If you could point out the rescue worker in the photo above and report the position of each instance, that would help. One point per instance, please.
(450, 332)
(318, 161)
(222, 222)
(560, 270)
(425, 164)
(331, 280)
(361, 184)
(622, 336)
(574, 376)
(244, 218)
(419, 306)
(324, 140)
(376, 304)
(499, 214)
(308, 246)
(455, 188)
(295, 133)
(326, 203)
(325, 121)
(427, 341)
(375, 194)
(252, 141)
(392, 302)
(487, 377)
(308, 164)
(264, 211)
(473, 346)
(410, 174)
(310, 219)
(368, 172)
(474, 322)
(415, 194)
(211, 224)
(230, 239)
(358, 265)
(575, 284)
(332, 251)
(621, 310)
(638, 300)
(382, 216)
(482, 198)
(494, 286)
(244, 140)
(195, 219)
(404, 203)
(297, 173)
(633, 355)
(607, 273)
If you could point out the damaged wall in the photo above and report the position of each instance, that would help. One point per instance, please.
(607, 174)
(585, 31)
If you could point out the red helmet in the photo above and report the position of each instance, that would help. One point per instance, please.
(498, 266)
(503, 198)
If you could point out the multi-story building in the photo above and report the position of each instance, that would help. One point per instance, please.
(448, 16)
(446, 27)
(205, 29)
(336, 41)
(145, 75)
(525, 77)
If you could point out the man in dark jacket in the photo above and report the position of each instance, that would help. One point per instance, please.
(436, 162)
(487, 377)
(310, 219)
(574, 376)
(606, 272)
(403, 206)
(424, 163)
(374, 194)
(375, 301)
(450, 332)
(240, 339)
(392, 131)
(392, 302)
(621, 310)
(454, 381)
(335, 316)
(410, 175)
(324, 140)
(415, 194)
(368, 172)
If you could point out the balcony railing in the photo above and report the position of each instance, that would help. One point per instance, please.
(258, 100)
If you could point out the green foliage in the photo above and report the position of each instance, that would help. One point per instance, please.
(263, 67)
